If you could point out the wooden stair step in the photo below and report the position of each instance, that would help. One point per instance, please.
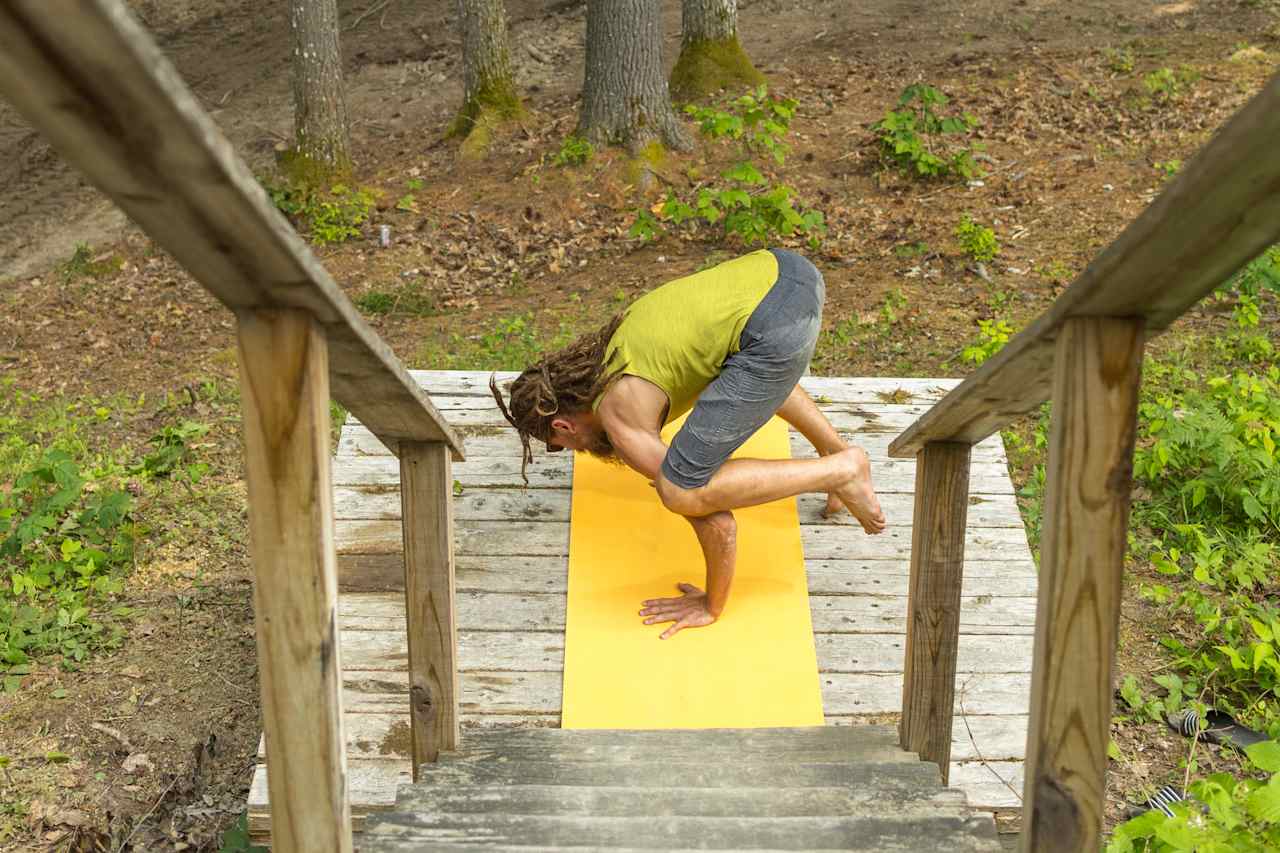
(881, 734)
(663, 774)
(910, 830)
(812, 744)
(890, 796)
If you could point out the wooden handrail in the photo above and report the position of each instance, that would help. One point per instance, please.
(1216, 216)
(91, 79)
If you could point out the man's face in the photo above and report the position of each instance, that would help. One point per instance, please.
(574, 433)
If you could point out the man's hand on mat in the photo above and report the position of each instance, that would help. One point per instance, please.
(687, 611)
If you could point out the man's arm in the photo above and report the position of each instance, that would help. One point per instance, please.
(631, 414)
(718, 535)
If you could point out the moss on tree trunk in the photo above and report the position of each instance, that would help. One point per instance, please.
(489, 98)
(706, 66)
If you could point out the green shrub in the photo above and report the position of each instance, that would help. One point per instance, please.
(1222, 814)
(172, 453)
(755, 217)
(66, 535)
(744, 203)
(915, 138)
(1165, 84)
(757, 120)
(331, 217)
(1208, 458)
(1214, 449)
(992, 336)
(1262, 273)
(977, 241)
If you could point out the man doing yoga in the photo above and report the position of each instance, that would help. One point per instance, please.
(729, 343)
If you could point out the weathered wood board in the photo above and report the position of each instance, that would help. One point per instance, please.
(512, 546)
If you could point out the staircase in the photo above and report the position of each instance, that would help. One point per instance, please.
(813, 789)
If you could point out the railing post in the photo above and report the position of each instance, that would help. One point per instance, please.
(933, 603)
(1096, 373)
(426, 500)
(284, 381)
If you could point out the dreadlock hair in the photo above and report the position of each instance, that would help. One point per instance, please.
(563, 382)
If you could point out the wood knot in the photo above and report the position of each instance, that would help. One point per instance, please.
(1057, 816)
(422, 701)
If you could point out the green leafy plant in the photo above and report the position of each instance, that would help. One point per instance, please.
(1216, 450)
(1223, 813)
(574, 151)
(757, 119)
(511, 343)
(1208, 458)
(172, 452)
(331, 216)
(744, 203)
(1165, 84)
(236, 838)
(65, 536)
(410, 298)
(977, 241)
(992, 336)
(1262, 273)
(1168, 168)
(83, 264)
(1119, 60)
(895, 302)
(911, 250)
(918, 141)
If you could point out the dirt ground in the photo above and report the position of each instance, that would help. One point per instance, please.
(1070, 150)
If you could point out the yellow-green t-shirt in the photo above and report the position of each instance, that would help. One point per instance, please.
(679, 335)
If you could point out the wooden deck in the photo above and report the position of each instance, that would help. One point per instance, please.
(512, 557)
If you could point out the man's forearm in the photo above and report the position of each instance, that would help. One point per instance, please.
(718, 535)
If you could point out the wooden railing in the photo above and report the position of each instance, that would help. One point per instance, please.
(1085, 353)
(94, 83)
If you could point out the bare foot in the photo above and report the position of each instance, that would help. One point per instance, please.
(858, 494)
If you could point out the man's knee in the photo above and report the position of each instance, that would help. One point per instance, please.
(682, 501)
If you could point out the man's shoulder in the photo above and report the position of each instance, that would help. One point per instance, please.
(633, 401)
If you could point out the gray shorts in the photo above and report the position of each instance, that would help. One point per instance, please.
(776, 346)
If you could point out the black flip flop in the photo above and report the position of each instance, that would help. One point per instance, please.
(1218, 728)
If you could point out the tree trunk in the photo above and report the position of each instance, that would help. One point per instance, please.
(624, 95)
(489, 88)
(711, 58)
(322, 137)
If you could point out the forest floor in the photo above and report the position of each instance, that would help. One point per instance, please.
(494, 261)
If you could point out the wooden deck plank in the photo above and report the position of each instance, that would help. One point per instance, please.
(556, 471)
(384, 736)
(382, 503)
(831, 540)
(501, 441)
(844, 693)
(864, 418)
(475, 383)
(543, 651)
(503, 611)
(826, 577)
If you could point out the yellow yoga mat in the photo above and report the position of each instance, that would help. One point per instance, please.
(754, 667)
